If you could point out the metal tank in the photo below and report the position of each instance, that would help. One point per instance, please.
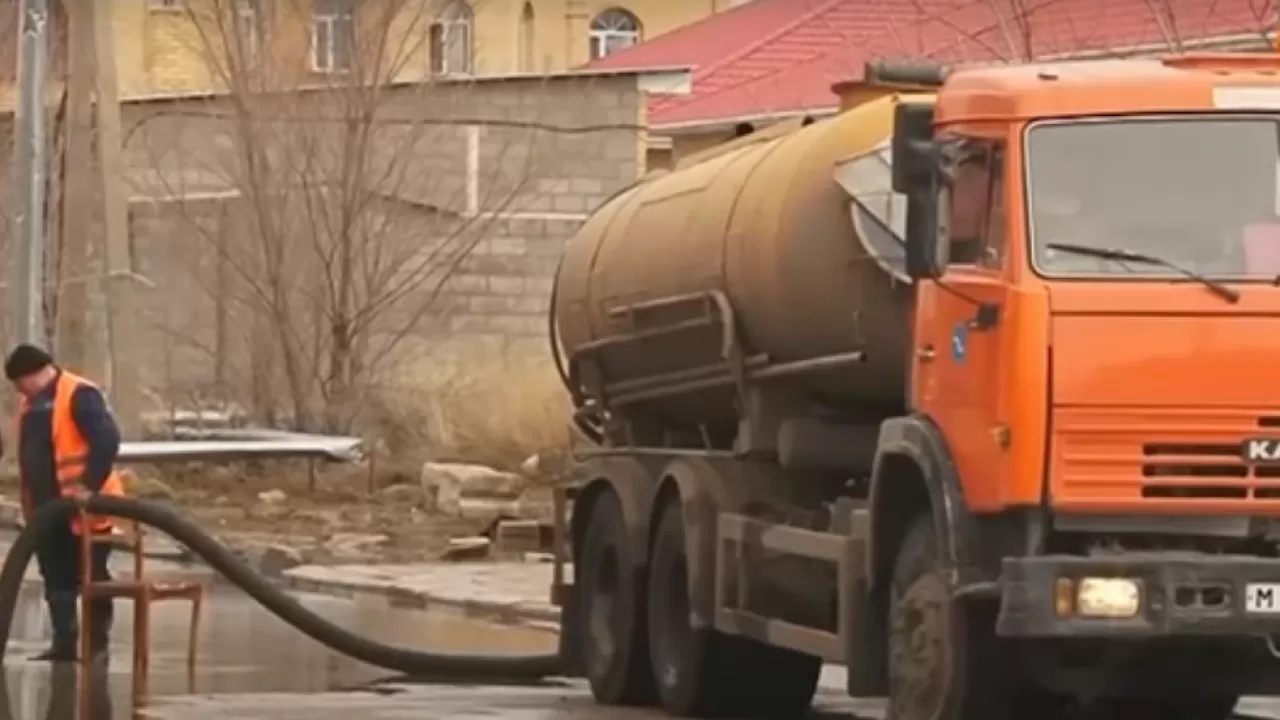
(764, 235)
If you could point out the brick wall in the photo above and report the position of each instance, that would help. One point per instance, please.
(504, 286)
(502, 183)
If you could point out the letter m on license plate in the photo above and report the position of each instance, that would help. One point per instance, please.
(1262, 598)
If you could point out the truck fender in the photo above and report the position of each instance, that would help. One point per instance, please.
(632, 483)
(907, 445)
(917, 439)
(704, 491)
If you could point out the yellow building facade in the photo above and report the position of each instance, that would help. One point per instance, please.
(163, 46)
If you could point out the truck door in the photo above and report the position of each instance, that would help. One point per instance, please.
(957, 376)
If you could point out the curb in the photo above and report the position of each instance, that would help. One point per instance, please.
(526, 614)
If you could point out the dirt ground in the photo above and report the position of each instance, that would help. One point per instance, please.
(332, 515)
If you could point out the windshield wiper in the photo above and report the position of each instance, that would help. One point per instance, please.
(1217, 288)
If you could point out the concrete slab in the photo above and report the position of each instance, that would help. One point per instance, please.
(500, 592)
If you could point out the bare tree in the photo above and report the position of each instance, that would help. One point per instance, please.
(327, 193)
(1011, 31)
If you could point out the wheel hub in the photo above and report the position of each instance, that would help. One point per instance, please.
(921, 663)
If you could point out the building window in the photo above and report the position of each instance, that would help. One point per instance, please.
(528, 39)
(248, 28)
(613, 30)
(332, 36)
(452, 45)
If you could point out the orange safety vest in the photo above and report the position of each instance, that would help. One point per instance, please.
(70, 451)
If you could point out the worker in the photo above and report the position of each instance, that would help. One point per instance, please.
(67, 444)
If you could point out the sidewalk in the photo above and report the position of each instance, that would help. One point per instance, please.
(510, 592)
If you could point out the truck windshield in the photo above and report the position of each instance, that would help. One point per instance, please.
(1199, 192)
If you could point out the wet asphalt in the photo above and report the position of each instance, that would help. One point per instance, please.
(243, 651)
(252, 666)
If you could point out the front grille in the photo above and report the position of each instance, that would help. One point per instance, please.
(1170, 455)
(1219, 462)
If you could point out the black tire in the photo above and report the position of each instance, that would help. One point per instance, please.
(945, 661)
(614, 641)
(703, 673)
(1176, 707)
(688, 665)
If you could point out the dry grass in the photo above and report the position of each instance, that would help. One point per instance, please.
(477, 403)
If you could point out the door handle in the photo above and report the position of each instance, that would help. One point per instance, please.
(926, 353)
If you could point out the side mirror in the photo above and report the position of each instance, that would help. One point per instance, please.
(926, 250)
(916, 165)
(914, 153)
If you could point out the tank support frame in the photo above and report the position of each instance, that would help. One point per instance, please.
(704, 320)
(742, 538)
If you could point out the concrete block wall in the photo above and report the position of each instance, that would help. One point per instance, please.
(520, 162)
(537, 186)
(504, 286)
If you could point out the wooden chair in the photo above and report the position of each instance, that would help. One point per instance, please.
(143, 592)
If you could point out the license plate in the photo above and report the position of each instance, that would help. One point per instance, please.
(1263, 598)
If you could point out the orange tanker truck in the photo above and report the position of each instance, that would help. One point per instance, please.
(968, 388)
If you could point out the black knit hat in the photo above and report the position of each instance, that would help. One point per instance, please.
(26, 360)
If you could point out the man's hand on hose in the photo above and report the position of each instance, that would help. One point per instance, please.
(78, 492)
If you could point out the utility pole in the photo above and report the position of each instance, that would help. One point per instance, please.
(78, 268)
(30, 173)
(124, 381)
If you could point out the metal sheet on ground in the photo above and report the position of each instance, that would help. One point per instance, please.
(337, 449)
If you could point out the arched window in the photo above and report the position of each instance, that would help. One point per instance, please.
(613, 30)
(528, 39)
(453, 40)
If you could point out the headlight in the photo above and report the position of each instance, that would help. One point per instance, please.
(1108, 598)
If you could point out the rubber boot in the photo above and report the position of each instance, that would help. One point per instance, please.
(62, 613)
(102, 614)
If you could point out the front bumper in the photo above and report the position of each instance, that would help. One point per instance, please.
(1182, 594)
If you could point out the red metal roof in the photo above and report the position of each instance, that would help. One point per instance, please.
(782, 56)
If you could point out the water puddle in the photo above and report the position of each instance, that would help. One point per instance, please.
(243, 649)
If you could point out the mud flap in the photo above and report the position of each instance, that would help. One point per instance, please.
(571, 629)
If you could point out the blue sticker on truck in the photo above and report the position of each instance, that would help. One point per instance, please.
(960, 343)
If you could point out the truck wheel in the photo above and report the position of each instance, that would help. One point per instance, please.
(945, 661)
(690, 666)
(704, 673)
(614, 641)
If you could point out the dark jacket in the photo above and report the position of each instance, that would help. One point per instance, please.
(35, 455)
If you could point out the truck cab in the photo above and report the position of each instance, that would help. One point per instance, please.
(1095, 248)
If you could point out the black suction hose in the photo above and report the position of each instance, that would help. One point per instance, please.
(427, 666)
(592, 433)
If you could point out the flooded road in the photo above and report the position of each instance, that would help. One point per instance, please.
(243, 649)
